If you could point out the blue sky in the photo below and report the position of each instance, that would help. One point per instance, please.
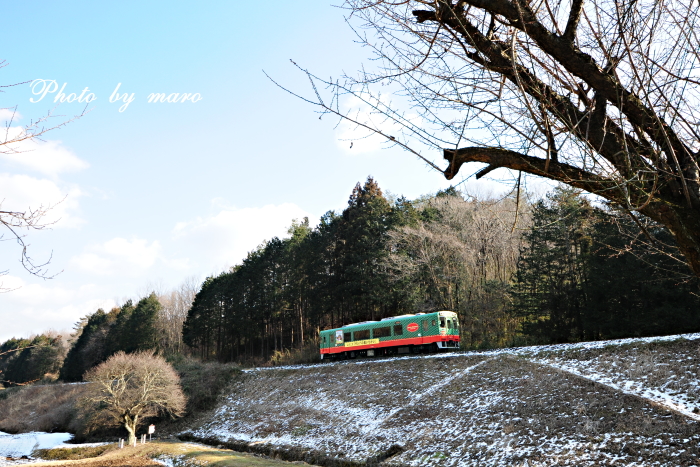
(165, 191)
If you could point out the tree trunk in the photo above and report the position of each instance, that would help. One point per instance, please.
(684, 224)
(130, 425)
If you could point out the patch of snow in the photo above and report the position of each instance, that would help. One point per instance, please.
(468, 408)
(17, 446)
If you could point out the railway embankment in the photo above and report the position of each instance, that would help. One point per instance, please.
(629, 402)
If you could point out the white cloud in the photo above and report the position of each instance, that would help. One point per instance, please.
(38, 307)
(224, 239)
(119, 256)
(355, 139)
(22, 192)
(9, 114)
(365, 109)
(47, 157)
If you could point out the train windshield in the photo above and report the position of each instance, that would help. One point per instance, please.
(442, 321)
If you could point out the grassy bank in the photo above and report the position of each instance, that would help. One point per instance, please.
(622, 403)
(172, 453)
(49, 408)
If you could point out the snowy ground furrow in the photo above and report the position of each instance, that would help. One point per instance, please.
(671, 401)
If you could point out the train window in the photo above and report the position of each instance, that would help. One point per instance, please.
(324, 339)
(348, 337)
(442, 321)
(456, 324)
(398, 330)
(382, 332)
(449, 324)
(433, 323)
(425, 325)
(362, 335)
(332, 339)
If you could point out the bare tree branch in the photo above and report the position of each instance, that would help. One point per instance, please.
(14, 222)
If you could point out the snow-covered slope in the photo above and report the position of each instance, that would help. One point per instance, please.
(628, 402)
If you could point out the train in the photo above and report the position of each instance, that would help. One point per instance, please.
(405, 334)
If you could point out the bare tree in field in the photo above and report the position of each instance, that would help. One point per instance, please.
(602, 95)
(127, 388)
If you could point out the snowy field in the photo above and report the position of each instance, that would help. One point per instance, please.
(16, 446)
(632, 402)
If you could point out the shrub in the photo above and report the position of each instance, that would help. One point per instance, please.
(76, 453)
(203, 382)
(308, 353)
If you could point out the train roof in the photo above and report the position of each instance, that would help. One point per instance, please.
(392, 318)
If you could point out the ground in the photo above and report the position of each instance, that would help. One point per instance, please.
(630, 402)
(171, 453)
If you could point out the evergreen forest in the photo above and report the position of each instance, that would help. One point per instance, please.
(518, 272)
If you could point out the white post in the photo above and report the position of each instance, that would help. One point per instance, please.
(121, 443)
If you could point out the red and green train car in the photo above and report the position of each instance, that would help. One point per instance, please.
(422, 332)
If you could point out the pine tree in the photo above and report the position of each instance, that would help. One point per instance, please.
(635, 289)
(551, 270)
(83, 355)
(118, 335)
(141, 329)
(42, 355)
(361, 248)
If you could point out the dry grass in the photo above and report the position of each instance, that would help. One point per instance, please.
(308, 353)
(75, 453)
(203, 382)
(40, 408)
(180, 454)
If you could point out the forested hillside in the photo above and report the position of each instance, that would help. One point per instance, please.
(558, 269)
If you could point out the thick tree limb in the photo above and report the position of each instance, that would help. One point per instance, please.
(682, 221)
(572, 23)
(497, 157)
(606, 85)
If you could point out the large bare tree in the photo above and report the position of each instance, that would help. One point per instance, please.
(127, 388)
(602, 95)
